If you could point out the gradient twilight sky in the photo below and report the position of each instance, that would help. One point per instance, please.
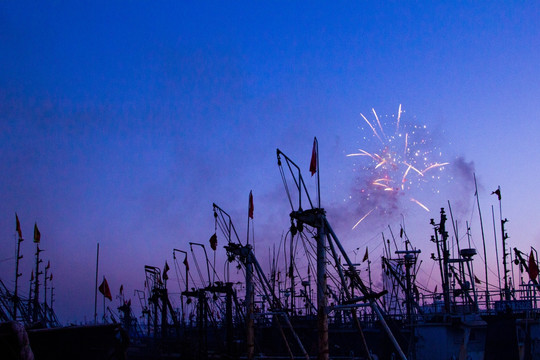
(122, 123)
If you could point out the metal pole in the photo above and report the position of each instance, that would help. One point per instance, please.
(45, 288)
(322, 316)
(96, 287)
(505, 254)
(291, 274)
(483, 242)
(36, 286)
(17, 275)
(250, 335)
(496, 252)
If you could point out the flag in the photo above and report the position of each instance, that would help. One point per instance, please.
(497, 192)
(48, 265)
(104, 289)
(533, 268)
(366, 255)
(250, 212)
(213, 242)
(37, 234)
(165, 270)
(477, 280)
(50, 277)
(122, 289)
(435, 291)
(18, 226)
(186, 263)
(313, 163)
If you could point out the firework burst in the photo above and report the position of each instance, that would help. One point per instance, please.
(400, 158)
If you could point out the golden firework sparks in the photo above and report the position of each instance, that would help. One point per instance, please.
(397, 123)
(363, 217)
(372, 128)
(436, 165)
(379, 122)
(420, 204)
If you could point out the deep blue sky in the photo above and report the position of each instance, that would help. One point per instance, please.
(122, 123)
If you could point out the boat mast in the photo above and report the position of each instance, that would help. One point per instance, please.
(316, 218)
(96, 287)
(37, 238)
(443, 262)
(505, 253)
(496, 252)
(17, 274)
(483, 242)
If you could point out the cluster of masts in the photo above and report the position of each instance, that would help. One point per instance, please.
(350, 293)
(33, 310)
(309, 225)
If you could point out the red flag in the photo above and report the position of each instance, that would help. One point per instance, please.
(477, 280)
(213, 242)
(186, 263)
(497, 192)
(533, 268)
(166, 268)
(250, 212)
(48, 265)
(18, 226)
(50, 277)
(104, 289)
(313, 163)
(366, 255)
(37, 234)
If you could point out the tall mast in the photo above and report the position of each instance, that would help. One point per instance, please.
(36, 285)
(441, 229)
(496, 252)
(96, 287)
(291, 275)
(505, 254)
(45, 285)
(322, 311)
(483, 242)
(52, 295)
(37, 239)
(17, 274)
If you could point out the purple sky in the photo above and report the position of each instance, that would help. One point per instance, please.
(122, 124)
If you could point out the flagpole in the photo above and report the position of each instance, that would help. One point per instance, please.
(318, 175)
(247, 238)
(95, 289)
